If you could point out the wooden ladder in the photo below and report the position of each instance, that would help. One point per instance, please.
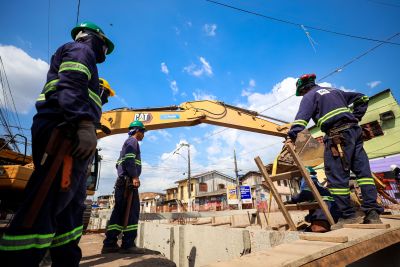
(288, 176)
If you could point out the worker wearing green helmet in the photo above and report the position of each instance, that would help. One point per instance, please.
(125, 220)
(70, 100)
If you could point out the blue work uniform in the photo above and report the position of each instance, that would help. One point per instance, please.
(71, 94)
(333, 109)
(306, 195)
(129, 165)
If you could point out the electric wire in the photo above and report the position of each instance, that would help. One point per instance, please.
(77, 13)
(299, 24)
(339, 69)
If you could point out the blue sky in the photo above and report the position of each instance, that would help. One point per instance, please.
(169, 52)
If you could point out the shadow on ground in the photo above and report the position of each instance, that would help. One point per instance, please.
(151, 258)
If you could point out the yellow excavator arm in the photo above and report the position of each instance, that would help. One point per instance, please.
(190, 114)
(216, 113)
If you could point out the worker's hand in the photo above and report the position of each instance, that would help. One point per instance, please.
(136, 182)
(87, 140)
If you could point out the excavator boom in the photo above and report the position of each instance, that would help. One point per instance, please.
(190, 114)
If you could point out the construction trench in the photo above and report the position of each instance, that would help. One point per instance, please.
(238, 238)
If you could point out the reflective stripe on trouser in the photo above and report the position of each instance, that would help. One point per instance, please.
(338, 178)
(52, 86)
(59, 221)
(115, 226)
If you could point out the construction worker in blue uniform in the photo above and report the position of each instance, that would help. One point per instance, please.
(337, 113)
(129, 168)
(70, 100)
(317, 218)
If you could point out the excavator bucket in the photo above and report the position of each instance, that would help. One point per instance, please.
(310, 151)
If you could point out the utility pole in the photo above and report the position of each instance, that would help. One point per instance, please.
(189, 184)
(189, 181)
(237, 181)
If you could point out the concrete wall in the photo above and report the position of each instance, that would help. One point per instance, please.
(199, 245)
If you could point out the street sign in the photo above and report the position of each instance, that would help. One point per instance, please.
(245, 193)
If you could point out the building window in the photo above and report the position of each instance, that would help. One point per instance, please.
(221, 186)
(371, 130)
(285, 183)
(279, 183)
(203, 187)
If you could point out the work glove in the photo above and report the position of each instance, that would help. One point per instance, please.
(87, 140)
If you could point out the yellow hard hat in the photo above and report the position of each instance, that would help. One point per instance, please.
(107, 86)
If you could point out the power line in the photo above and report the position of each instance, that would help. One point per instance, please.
(299, 24)
(77, 13)
(48, 33)
(339, 69)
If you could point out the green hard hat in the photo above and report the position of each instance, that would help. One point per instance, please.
(95, 28)
(303, 80)
(137, 124)
(311, 170)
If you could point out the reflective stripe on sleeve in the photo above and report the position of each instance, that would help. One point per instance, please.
(300, 122)
(75, 66)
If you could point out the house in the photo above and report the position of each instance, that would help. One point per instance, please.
(381, 127)
(151, 202)
(171, 199)
(207, 191)
(261, 195)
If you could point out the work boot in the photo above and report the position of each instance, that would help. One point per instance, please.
(320, 226)
(132, 250)
(372, 217)
(342, 221)
(110, 249)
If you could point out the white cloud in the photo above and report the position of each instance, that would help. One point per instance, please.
(204, 68)
(373, 84)
(164, 68)
(189, 23)
(26, 76)
(177, 30)
(201, 95)
(247, 91)
(164, 134)
(174, 87)
(210, 29)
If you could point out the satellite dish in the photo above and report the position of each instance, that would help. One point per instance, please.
(157, 197)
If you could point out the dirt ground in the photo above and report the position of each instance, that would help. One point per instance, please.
(91, 245)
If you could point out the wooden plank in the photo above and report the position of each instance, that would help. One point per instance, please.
(325, 238)
(367, 226)
(395, 217)
(357, 251)
(220, 223)
(274, 192)
(203, 222)
(303, 206)
(285, 176)
(310, 183)
(240, 225)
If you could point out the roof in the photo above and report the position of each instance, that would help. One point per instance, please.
(197, 176)
(214, 193)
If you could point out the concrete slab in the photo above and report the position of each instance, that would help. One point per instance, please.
(362, 242)
(91, 245)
